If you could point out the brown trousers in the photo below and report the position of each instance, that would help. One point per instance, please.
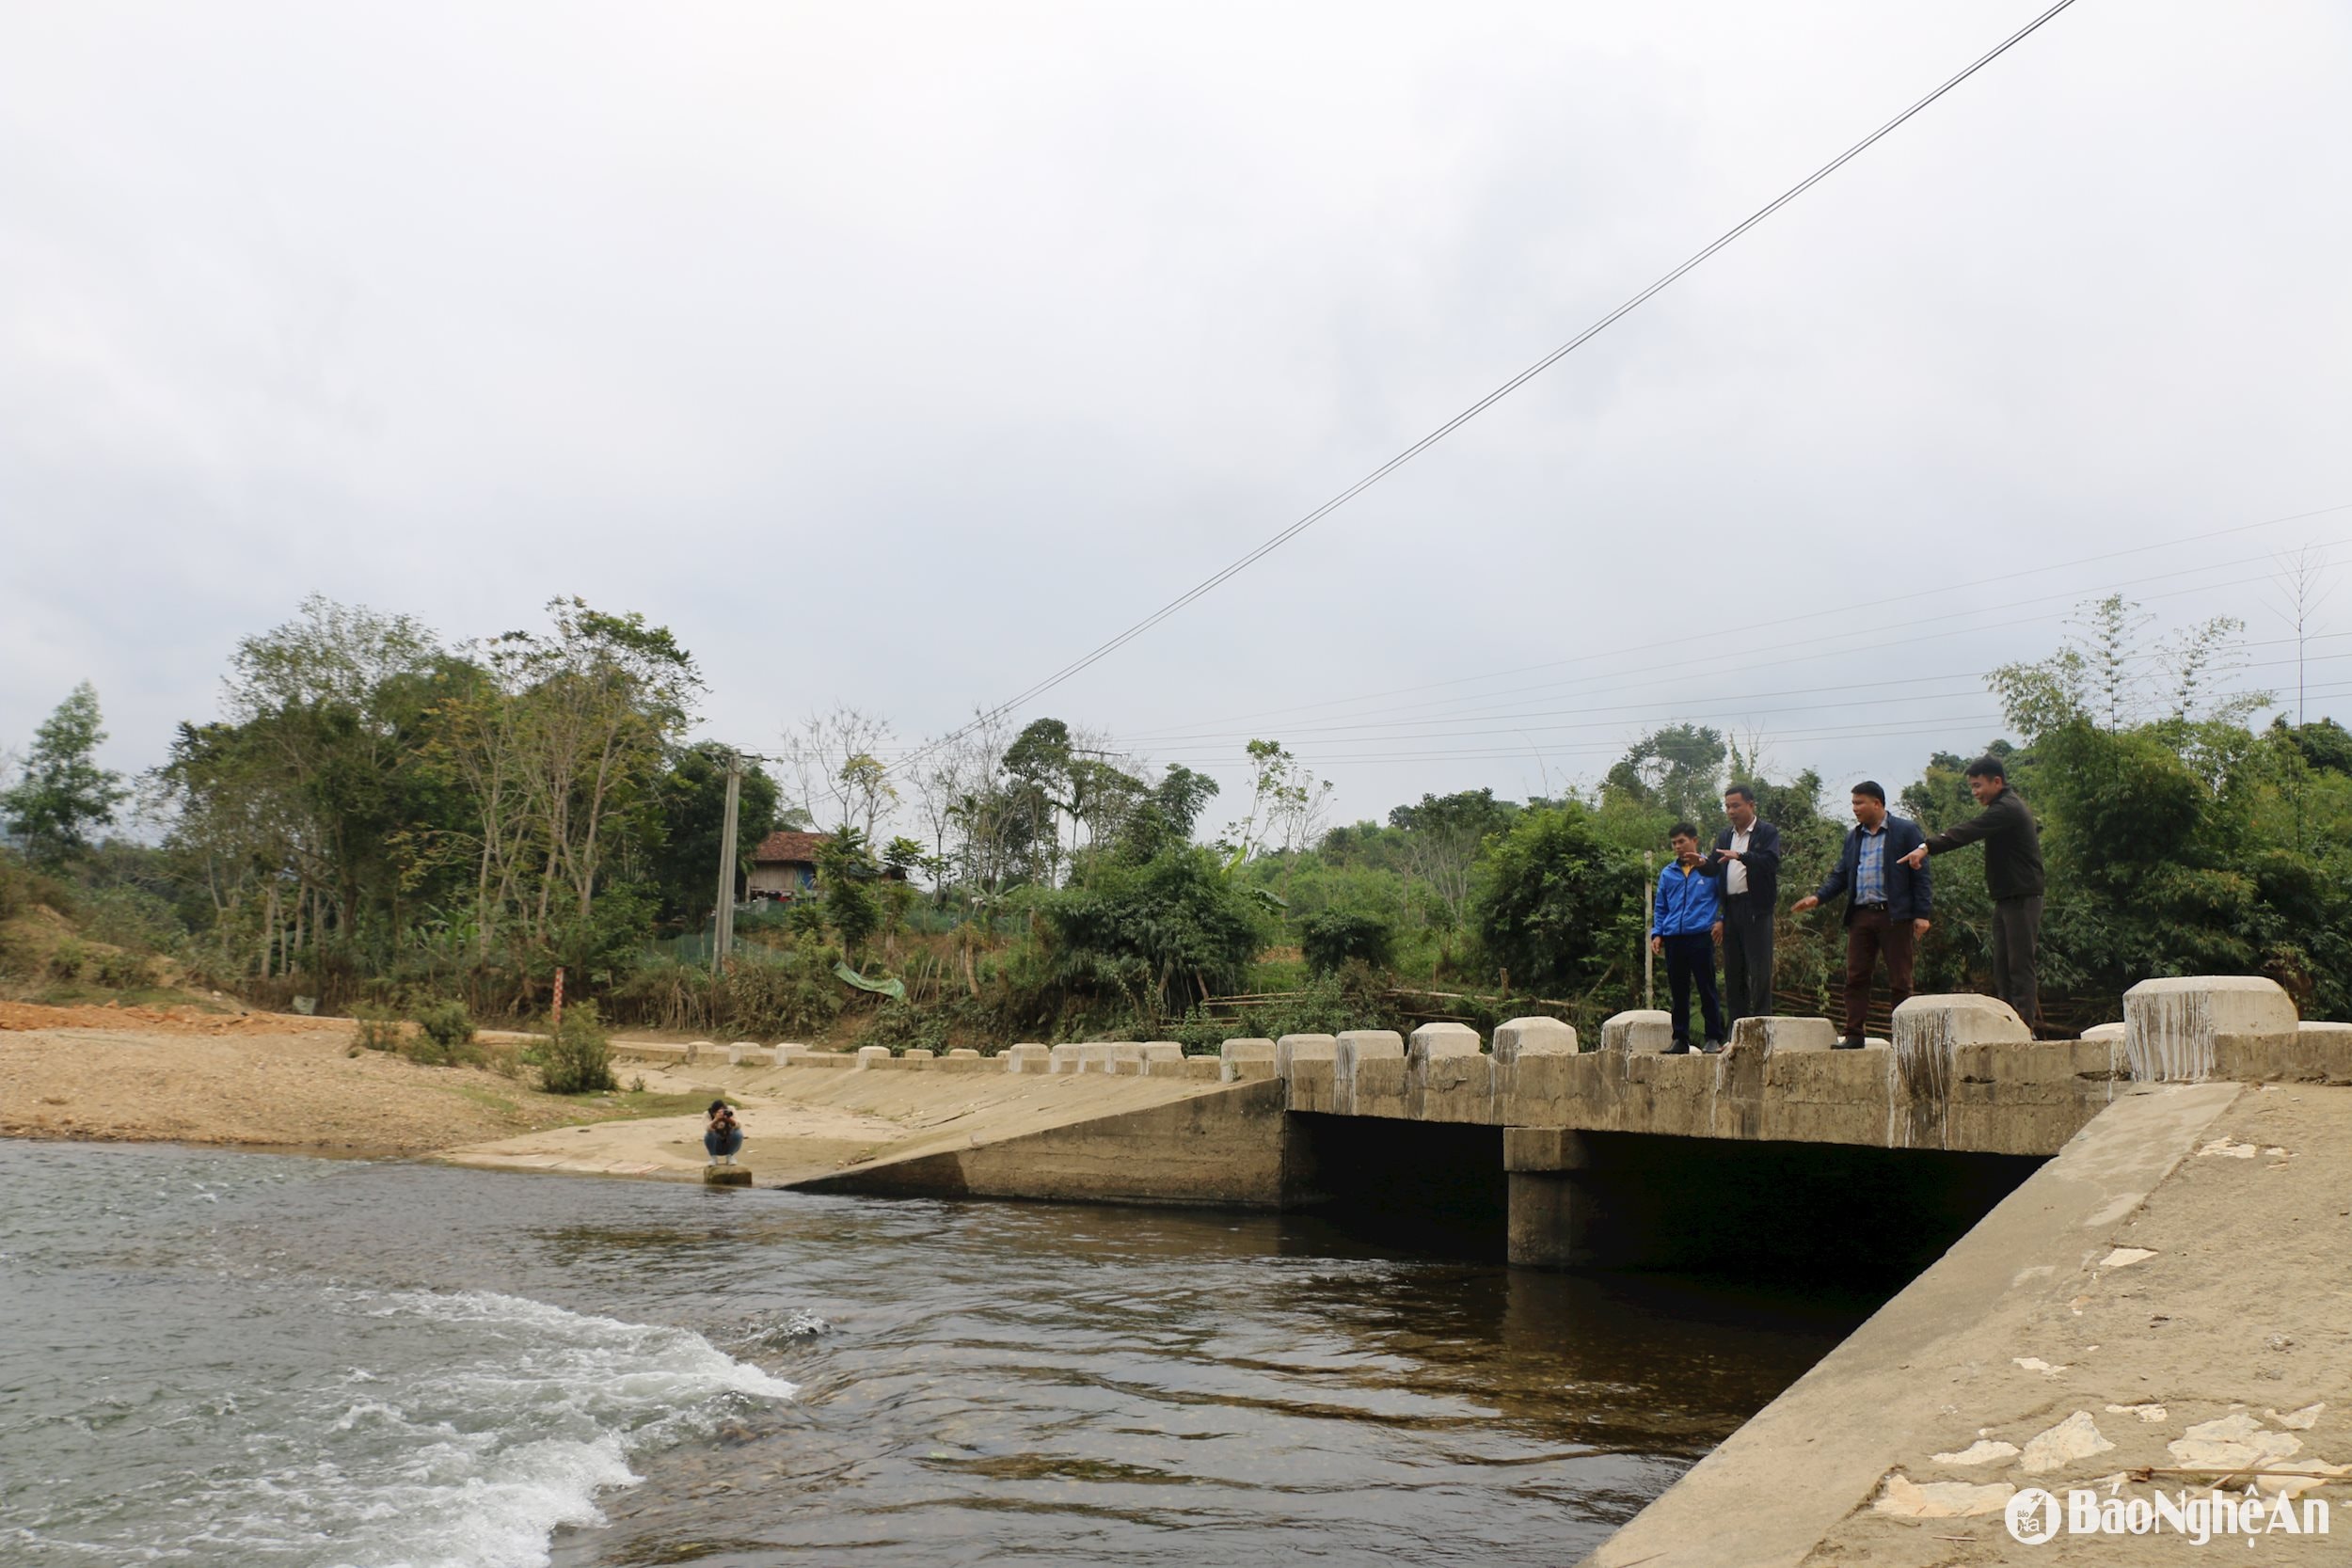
(1870, 934)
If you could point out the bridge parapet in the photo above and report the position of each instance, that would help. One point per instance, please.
(1964, 1073)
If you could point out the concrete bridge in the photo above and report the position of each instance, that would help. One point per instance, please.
(2115, 1263)
(1616, 1156)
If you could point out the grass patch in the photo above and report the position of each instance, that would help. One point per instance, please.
(485, 1098)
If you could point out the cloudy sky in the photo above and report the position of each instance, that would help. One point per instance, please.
(897, 355)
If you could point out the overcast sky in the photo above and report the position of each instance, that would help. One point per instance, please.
(899, 355)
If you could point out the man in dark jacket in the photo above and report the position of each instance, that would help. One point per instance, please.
(1888, 897)
(2012, 874)
(1747, 858)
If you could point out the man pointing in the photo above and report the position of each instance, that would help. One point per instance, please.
(1747, 857)
(2012, 874)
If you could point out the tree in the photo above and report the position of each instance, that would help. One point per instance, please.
(560, 752)
(834, 776)
(846, 875)
(691, 800)
(1180, 796)
(1333, 937)
(1287, 804)
(2100, 676)
(1038, 765)
(1557, 906)
(1677, 771)
(1169, 932)
(1442, 839)
(61, 792)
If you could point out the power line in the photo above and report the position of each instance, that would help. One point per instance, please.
(1584, 747)
(1941, 590)
(1741, 662)
(1295, 530)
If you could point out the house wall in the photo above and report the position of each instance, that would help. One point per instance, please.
(781, 877)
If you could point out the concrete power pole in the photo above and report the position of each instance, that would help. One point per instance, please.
(1649, 924)
(722, 935)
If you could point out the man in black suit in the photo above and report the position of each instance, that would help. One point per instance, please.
(1888, 903)
(1747, 858)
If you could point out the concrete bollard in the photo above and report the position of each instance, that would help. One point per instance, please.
(1206, 1068)
(2106, 1033)
(1240, 1059)
(918, 1054)
(1029, 1058)
(1368, 1073)
(963, 1053)
(786, 1054)
(1773, 1036)
(1929, 1034)
(1162, 1059)
(695, 1049)
(1353, 1048)
(2171, 1026)
(1533, 1037)
(1303, 1048)
(872, 1056)
(1638, 1032)
(1065, 1059)
(1442, 1039)
(1122, 1056)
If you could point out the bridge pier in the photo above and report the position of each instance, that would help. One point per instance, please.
(1549, 1220)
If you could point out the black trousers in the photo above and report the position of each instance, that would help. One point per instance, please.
(2016, 978)
(1747, 957)
(1692, 958)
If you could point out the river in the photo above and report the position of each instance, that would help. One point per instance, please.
(254, 1360)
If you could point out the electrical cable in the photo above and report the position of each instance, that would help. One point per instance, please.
(1939, 591)
(1741, 662)
(1377, 475)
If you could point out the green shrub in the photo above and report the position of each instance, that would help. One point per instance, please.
(122, 971)
(446, 1023)
(578, 1056)
(22, 888)
(1331, 938)
(903, 1028)
(130, 917)
(376, 1029)
(789, 990)
(69, 959)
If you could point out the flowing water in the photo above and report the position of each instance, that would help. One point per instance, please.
(249, 1360)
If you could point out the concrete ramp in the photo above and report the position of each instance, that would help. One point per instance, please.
(2138, 1316)
(1217, 1146)
(810, 1117)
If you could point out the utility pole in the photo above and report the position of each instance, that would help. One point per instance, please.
(722, 935)
(1649, 924)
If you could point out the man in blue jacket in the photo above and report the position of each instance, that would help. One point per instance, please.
(1888, 903)
(1684, 928)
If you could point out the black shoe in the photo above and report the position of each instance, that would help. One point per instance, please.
(1712, 1047)
(1679, 1048)
(1847, 1045)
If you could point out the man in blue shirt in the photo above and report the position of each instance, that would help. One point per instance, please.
(1887, 901)
(1687, 920)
